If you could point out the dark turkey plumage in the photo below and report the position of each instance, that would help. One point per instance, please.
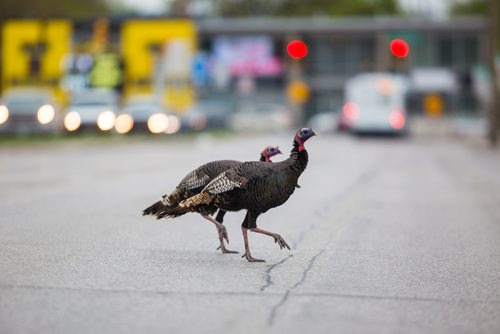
(192, 184)
(256, 187)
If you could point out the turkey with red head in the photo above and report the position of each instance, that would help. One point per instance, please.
(256, 187)
(192, 184)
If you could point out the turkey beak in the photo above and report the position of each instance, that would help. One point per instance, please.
(314, 134)
(279, 152)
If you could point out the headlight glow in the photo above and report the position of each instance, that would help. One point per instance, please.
(4, 114)
(158, 123)
(124, 123)
(174, 125)
(45, 114)
(197, 122)
(106, 120)
(72, 121)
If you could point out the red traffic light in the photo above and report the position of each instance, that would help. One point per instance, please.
(400, 48)
(297, 49)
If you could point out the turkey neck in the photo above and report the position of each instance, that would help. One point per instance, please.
(297, 162)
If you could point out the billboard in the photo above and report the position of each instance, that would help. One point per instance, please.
(157, 56)
(246, 55)
(33, 53)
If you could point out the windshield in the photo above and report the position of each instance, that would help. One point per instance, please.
(381, 91)
(26, 100)
(93, 100)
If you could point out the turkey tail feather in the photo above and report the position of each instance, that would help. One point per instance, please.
(161, 210)
(197, 200)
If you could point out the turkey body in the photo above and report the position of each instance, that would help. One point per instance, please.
(264, 186)
(192, 184)
(256, 187)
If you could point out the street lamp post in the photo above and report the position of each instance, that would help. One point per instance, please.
(495, 96)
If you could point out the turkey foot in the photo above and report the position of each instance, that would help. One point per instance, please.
(225, 250)
(221, 229)
(281, 242)
(252, 259)
(277, 238)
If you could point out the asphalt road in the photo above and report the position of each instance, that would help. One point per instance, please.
(387, 236)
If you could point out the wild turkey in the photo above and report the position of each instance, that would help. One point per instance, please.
(256, 187)
(193, 183)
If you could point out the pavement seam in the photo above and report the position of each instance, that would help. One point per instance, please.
(243, 293)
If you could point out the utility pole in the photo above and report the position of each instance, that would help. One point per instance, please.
(493, 8)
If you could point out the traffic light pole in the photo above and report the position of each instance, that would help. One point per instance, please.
(494, 125)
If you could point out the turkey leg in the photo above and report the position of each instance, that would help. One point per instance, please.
(277, 238)
(221, 229)
(249, 222)
(247, 254)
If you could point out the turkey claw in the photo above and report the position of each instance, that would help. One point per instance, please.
(223, 232)
(224, 250)
(280, 241)
(252, 259)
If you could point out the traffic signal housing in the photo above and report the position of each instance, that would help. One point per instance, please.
(400, 48)
(296, 49)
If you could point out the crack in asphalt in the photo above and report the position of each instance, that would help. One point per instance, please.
(319, 213)
(284, 299)
(267, 273)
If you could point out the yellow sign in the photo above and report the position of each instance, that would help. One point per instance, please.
(433, 104)
(157, 56)
(297, 91)
(33, 52)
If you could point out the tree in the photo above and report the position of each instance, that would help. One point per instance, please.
(469, 7)
(51, 8)
(306, 8)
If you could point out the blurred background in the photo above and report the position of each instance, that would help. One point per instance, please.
(106, 104)
(163, 67)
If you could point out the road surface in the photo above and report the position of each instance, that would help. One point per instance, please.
(387, 236)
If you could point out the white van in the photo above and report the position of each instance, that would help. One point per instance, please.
(375, 103)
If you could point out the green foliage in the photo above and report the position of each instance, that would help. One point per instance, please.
(307, 8)
(51, 8)
(469, 7)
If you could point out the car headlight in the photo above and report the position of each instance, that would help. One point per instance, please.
(197, 121)
(45, 114)
(72, 121)
(106, 120)
(4, 114)
(174, 124)
(158, 123)
(124, 123)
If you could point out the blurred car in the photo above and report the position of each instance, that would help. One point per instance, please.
(29, 110)
(257, 116)
(92, 109)
(144, 113)
(375, 103)
(208, 113)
